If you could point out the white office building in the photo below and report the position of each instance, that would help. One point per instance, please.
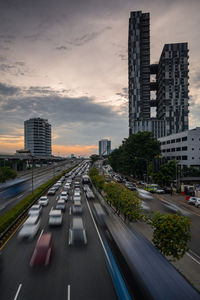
(37, 137)
(183, 146)
(104, 147)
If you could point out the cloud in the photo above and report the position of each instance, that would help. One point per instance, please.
(124, 93)
(61, 48)
(88, 37)
(6, 90)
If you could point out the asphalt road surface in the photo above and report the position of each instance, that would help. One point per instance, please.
(74, 272)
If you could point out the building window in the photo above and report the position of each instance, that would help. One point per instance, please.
(168, 150)
(172, 141)
(192, 148)
(178, 149)
(168, 142)
(185, 148)
(178, 140)
(184, 138)
(184, 157)
(192, 139)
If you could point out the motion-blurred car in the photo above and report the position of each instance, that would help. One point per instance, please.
(77, 208)
(43, 250)
(35, 210)
(43, 201)
(144, 194)
(55, 217)
(30, 228)
(76, 198)
(77, 234)
(51, 191)
(60, 205)
(90, 195)
(86, 188)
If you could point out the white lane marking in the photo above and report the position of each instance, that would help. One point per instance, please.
(95, 225)
(20, 196)
(41, 233)
(68, 292)
(193, 258)
(70, 211)
(18, 290)
(194, 254)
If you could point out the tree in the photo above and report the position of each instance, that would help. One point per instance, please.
(7, 173)
(94, 157)
(171, 234)
(133, 156)
(166, 173)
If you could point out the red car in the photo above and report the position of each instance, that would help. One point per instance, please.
(43, 250)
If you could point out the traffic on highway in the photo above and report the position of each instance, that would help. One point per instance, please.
(72, 246)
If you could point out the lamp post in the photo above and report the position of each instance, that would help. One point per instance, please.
(32, 161)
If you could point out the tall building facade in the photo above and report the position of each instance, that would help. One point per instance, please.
(139, 67)
(37, 136)
(104, 147)
(170, 84)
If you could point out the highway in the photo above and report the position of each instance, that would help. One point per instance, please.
(40, 176)
(74, 272)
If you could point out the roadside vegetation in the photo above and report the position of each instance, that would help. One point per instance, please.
(7, 173)
(9, 217)
(171, 232)
(134, 155)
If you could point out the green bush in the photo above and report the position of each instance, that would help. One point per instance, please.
(7, 173)
(171, 234)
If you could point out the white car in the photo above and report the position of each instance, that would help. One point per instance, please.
(51, 191)
(43, 201)
(192, 200)
(197, 203)
(159, 190)
(64, 196)
(30, 228)
(55, 217)
(35, 210)
(144, 194)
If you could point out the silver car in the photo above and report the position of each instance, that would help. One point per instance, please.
(30, 228)
(77, 234)
(55, 217)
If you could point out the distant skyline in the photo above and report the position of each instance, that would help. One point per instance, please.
(67, 62)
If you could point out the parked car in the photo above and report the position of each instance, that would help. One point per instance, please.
(192, 200)
(43, 250)
(77, 233)
(159, 190)
(35, 210)
(43, 201)
(197, 203)
(30, 228)
(55, 217)
(51, 191)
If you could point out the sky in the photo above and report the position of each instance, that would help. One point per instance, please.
(67, 61)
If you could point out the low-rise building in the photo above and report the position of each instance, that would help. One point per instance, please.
(183, 146)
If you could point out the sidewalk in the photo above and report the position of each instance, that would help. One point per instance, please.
(187, 266)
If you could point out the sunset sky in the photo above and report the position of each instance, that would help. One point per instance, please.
(66, 61)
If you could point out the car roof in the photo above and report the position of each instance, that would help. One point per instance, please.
(61, 201)
(55, 212)
(77, 203)
(44, 240)
(31, 219)
(77, 223)
(35, 206)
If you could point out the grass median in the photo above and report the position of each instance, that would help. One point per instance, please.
(10, 216)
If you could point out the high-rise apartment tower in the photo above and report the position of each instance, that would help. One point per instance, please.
(170, 84)
(37, 136)
(104, 147)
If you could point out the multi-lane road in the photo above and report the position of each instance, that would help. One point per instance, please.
(40, 176)
(74, 272)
